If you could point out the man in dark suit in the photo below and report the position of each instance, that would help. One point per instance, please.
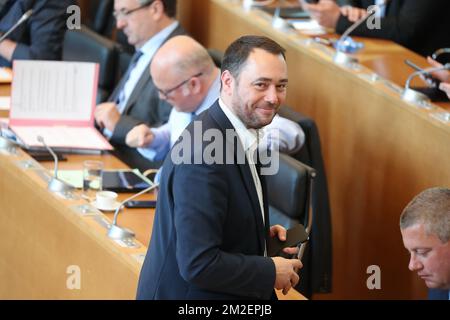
(211, 227)
(39, 38)
(147, 25)
(421, 26)
(425, 228)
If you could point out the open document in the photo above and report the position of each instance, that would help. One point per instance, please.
(56, 100)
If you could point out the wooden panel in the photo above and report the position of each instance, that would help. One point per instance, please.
(379, 151)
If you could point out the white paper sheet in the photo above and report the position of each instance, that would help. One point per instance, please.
(53, 90)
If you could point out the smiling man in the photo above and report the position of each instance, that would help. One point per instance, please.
(211, 224)
(425, 228)
(187, 78)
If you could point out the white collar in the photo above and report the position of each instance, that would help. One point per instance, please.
(156, 41)
(248, 137)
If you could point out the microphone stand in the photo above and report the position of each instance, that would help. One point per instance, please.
(414, 96)
(24, 18)
(342, 57)
(120, 233)
(278, 22)
(55, 185)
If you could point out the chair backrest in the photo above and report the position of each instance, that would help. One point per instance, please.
(98, 16)
(288, 192)
(318, 257)
(87, 46)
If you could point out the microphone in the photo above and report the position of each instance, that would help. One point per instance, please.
(414, 96)
(278, 22)
(438, 52)
(55, 158)
(119, 233)
(22, 19)
(55, 185)
(345, 44)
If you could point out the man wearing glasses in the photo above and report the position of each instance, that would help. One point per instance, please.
(187, 78)
(147, 25)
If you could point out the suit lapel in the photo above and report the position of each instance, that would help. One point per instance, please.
(244, 168)
(140, 85)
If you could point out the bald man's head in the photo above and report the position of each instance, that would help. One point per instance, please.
(180, 56)
(179, 65)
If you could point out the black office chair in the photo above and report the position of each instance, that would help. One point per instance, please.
(317, 261)
(289, 195)
(87, 46)
(98, 16)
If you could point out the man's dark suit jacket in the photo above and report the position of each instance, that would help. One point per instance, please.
(208, 237)
(422, 26)
(41, 37)
(436, 294)
(143, 106)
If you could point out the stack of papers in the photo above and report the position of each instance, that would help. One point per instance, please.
(56, 100)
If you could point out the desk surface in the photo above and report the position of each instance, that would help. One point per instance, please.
(45, 235)
(378, 150)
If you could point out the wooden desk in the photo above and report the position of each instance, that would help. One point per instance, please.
(378, 150)
(42, 235)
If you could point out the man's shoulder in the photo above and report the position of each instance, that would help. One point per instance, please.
(437, 294)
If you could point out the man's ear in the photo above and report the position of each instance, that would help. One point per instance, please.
(195, 85)
(157, 10)
(227, 82)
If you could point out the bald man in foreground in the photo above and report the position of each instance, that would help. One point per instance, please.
(186, 77)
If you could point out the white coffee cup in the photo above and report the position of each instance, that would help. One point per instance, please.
(106, 199)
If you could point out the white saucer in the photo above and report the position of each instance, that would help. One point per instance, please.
(112, 208)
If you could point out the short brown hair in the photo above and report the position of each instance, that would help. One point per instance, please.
(432, 208)
(237, 53)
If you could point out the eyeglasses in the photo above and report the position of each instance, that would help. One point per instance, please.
(166, 93)
(122, 13)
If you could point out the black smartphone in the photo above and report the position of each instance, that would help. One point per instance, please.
(294, 237)
(140, 204)
(433, 81)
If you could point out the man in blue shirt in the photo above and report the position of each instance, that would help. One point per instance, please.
(38, 38)
(425, 228)
(147, 25)
(187, 78)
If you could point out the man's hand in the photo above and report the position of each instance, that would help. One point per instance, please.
(286, 273)
(107, 116)
(139, 137)
(325, 12)
(353, 14)
(443, 75)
